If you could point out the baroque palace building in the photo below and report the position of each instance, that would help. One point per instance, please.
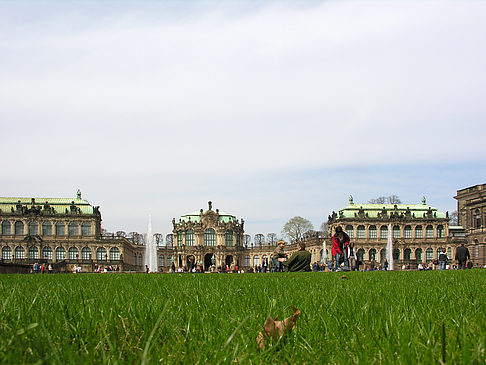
(63, 232)
(471, 210)
(214, 239)
(419, 231)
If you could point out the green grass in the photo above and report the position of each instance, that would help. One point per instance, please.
(372, 318)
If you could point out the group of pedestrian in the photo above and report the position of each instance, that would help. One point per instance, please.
(41, 268)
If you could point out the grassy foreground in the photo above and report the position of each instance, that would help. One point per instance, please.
(373, 317)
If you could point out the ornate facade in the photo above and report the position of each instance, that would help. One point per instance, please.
(208, 238)
(471, 210)
(418, 231)
(62, 232)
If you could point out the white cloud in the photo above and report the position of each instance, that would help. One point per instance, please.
(104, 89)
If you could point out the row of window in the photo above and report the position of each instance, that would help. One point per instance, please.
(72, 253)
(46, 228)
(209, 238)
(396, 232)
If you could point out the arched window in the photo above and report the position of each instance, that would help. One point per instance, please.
(85, 229)
(47, 228)
(396, 232)
(140, 259)
(429, 232)
(372, 232)
(477, 219)
(19, 228)
(372, 254)
(449, 253)
(101, 254)
(361, 232)
(418, 254)
(238, 239)
(73, 253)
(383, 255)
(60, 253)
(114, 254)
(360, 254)
(73, 229)
(179, 239)
(209, 237)
(407, 254)
(189, 237)
(229, 238)
(6, 253)
(33, 252)
(419, 232)
(247, 260)
(60, 229)
(440, 231)
(33, 228)
(162, 260)
(47, 253)
(429, 254)
(19, 252)
(350, 230)
(6, 228)
(383, 232)
(407, 232)
(256, 260)
(85, 253)
(396, 254)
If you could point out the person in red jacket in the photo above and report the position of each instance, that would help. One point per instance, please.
(340, 244)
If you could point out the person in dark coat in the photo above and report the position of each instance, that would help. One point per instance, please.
(300, 260)
(462, 255)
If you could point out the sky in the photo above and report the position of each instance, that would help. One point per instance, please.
(270, 109)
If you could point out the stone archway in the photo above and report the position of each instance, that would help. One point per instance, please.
(208, 261)
(229, 260)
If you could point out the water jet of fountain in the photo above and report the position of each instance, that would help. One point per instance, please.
(150, 249)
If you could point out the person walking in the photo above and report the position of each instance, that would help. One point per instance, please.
(462, 255)
(443, 259)
(340, 240)
(300, 260)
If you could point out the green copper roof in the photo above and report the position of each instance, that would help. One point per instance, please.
(59, 204)
(196, 217)
(373, 209)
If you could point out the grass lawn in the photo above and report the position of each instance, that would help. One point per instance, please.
(373, 317)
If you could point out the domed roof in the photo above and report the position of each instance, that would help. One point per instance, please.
(196, 216)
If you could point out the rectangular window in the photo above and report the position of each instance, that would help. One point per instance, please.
(384, 233)
(372, 233)
(407, 233)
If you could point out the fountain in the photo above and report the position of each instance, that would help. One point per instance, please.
(389, 248)
(324, 254)
(150, 249)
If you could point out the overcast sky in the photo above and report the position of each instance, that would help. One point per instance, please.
(270, 109)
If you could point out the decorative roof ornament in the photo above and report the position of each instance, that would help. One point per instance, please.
(78, 194)
(210, 203)
(351, 200)
(424, 201)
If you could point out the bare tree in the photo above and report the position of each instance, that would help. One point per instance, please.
(169, 240)
(394, 199)
(272, 239)
(246, 240)
(454, 218)
(259, 239)
(158, 239)
(295, 228)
